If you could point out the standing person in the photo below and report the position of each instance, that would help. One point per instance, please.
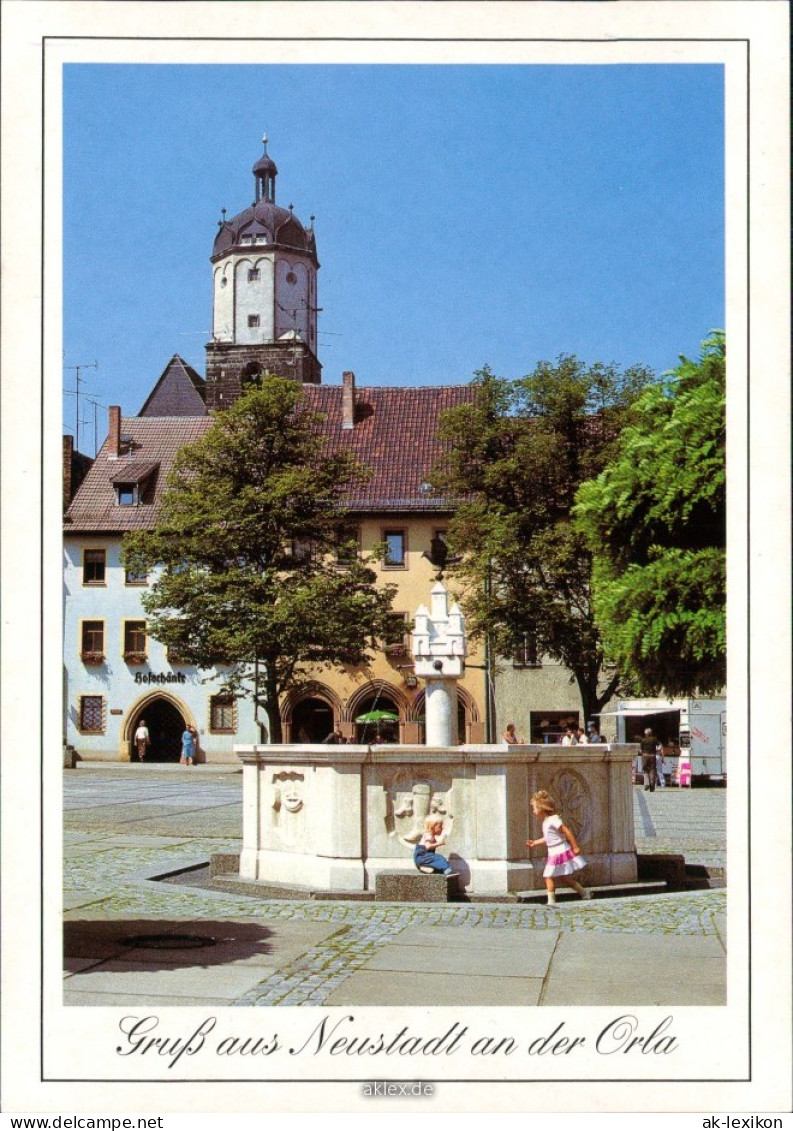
(188, 746)
(142, 740)
(649, 745)
(593, 734)
(510, 737)
(564, 855)
(581, 737)
(659, 766)
(425, 856)
(334, 737)
(569, 737)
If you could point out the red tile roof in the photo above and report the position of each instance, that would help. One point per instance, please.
(154, 439)
(395, 435)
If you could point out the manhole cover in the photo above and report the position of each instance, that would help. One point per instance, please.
(169, 942)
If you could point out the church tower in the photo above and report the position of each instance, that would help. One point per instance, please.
(264, 299)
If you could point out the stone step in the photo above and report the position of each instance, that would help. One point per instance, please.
(415, 887)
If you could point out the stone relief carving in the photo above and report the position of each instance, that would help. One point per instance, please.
(288, 791)
(573, 797)
(408, 808)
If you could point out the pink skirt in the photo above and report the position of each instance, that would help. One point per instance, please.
(563, 863)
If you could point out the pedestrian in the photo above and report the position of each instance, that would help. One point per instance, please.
(188, 746)
(649, 747)
(659, 767)
(581, 737)
(593, 734)
(425, 856)
(334, 737)
(564, 855)
(569, 737)
(510, 737)
(142, 740)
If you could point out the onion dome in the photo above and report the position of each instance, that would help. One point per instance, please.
(264, 223)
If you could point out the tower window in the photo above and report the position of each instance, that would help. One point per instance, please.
(253, 275)
(253, 319)
(291, 278)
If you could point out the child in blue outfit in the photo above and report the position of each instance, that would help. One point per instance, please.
(425, 857)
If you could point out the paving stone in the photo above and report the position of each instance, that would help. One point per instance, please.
(366, 987)
(226, 983)
(140, 824)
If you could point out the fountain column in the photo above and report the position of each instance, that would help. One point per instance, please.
(439, 649)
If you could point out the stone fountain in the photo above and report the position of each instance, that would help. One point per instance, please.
(333, 818)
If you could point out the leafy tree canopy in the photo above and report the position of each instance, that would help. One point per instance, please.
(247, 550)
(517, 456)
(655, 522)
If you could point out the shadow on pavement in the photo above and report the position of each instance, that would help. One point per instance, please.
(161, 943)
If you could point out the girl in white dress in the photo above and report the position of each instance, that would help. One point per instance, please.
(564, 857)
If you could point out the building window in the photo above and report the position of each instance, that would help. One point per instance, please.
(247, 239)
(94, 567)
(92, 641)
(395, 557)
(135, 577)
(126, 494)
(135, 641)
(91, 713)
(260, 239)
(525, 655)
(253, 320)
(222, 714)
(253, 275)
(396, 641)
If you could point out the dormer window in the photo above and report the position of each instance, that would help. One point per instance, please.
(247, 239)
(126, 494)
(133, 482)
(260, 239)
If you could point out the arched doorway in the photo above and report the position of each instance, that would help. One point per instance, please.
(312, 720)
(387, 730)
(165, 723)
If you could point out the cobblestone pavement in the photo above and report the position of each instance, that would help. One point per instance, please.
(122, 828)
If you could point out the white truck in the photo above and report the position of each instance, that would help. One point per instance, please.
(698, 726)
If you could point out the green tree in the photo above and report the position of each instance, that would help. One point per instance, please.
(517, 455)
(246, 551)
(655, 521)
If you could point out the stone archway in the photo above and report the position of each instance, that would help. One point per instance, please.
(309, 713)
(166, 718)
(378, 696)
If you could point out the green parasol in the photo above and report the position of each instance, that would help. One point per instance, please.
(378, 717)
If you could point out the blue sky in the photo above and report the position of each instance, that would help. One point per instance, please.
(465, 215)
